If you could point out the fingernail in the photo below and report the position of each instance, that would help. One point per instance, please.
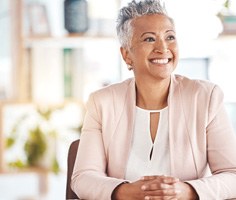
(164, 186)
(143, 187)
(177, 191)
(147, 198)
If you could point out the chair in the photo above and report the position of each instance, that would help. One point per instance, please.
(70, 166)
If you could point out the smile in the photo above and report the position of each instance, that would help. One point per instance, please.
(160, 61)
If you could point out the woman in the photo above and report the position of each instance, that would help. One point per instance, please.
(157, 135)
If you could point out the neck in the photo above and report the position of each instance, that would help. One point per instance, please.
(152, 96)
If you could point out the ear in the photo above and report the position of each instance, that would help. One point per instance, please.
(125, 55)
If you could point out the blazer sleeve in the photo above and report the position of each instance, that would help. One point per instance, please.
(221, 152)
(89, 178)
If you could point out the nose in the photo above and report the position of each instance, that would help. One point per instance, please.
(161, 47)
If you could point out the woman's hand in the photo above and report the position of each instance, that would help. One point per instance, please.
(187, 191)
(182, 190)
(148, 188)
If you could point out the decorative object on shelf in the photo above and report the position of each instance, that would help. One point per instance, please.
(228, 17)
(37, 20)
(76, 16)
(229, 24)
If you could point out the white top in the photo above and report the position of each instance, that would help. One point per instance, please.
(146, 157)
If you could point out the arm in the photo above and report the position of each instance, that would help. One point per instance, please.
(221, 148)
(89, 179)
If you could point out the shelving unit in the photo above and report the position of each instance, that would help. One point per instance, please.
(34, 58)
(79, 56)
(42, 175)
(17, 74)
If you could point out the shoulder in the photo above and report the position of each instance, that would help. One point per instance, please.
(116, 88)
(197, 92)
(201, 94)
(196, 86)
(116, 92)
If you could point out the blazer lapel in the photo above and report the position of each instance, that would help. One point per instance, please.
(121, 142)
(181, 154)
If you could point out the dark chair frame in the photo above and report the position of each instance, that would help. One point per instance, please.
(70, 166)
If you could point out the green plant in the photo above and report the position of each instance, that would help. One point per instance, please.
(35, 146)
(36, 143)
(226, 4)
(36, 133)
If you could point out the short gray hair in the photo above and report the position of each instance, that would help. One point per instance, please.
(133, 10)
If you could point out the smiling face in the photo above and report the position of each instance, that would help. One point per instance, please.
(153, 52)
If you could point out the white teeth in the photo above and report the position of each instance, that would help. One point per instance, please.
(160, 61)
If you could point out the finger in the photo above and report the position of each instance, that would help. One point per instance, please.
(155, 186)
(152, 177)
(160, 179)
(159, 198)
(161, 190)
(171, 194)
(155, 198)
(169, 179)
(165, 179)
(148, 178)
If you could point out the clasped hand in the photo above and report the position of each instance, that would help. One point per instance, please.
(155, 187)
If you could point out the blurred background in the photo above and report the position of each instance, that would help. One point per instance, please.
(55, 53)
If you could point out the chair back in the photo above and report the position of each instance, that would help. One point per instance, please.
(70, 166)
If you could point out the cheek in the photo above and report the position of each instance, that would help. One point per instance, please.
(175, 51)
(139, 53)
(176, 54)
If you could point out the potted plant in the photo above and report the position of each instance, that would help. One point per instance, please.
(228, 17)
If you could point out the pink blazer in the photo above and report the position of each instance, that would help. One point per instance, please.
(202, 140)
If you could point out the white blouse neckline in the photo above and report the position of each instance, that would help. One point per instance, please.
(151, 111)
(147, 157)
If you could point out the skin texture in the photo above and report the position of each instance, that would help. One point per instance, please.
(153, 43)
(153, 38)
(155, 187)
(153, 56)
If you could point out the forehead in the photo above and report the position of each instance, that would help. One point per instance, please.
(152, 23)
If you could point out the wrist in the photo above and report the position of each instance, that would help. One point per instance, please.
(192, 194)
(119, 191)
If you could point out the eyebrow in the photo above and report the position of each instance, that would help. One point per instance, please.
(153, 33)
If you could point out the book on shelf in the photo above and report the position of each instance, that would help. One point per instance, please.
(67, 67)
(73, 72)
(47, 74)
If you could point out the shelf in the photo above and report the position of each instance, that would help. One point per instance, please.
(41, 173)
(71, 41)
(37, 170)
(39, 65)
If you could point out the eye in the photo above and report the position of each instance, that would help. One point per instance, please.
(171, 37)
(149, 39)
